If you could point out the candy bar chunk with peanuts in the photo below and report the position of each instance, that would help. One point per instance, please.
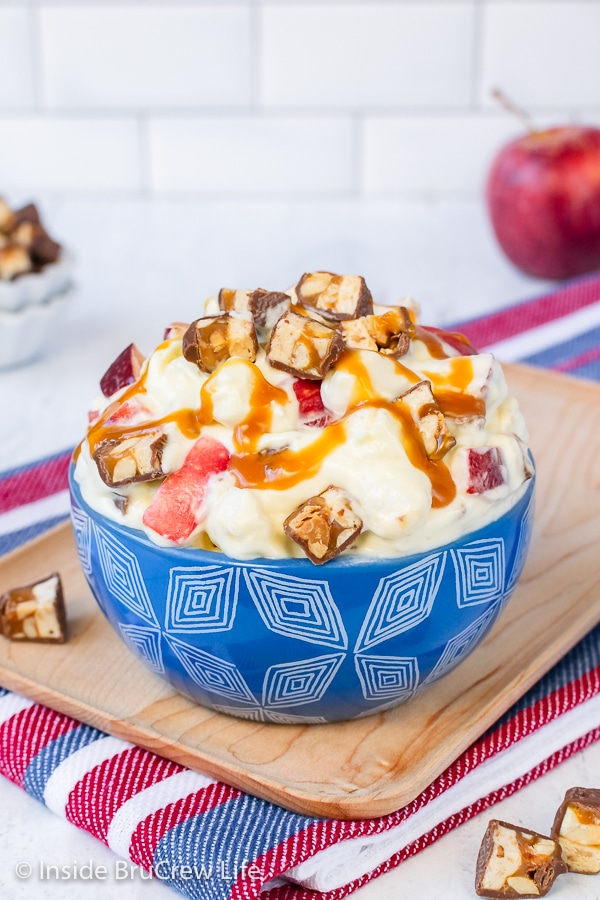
(303, 347)
(211, 340)
(388, 333)
(37, 241)
(131, 459)
(265, 307)
(516, 862)
(577, 829)
(35, 612)
(335, 296)
(324, 525)
(428, 419)
(6, 214)
(14, 261)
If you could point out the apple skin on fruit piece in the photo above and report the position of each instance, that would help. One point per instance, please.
(484, 470)
(543, 198)
(310, 404)
(123, 371)
(177, 507)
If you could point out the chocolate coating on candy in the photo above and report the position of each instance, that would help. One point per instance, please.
(131, 459)
(303, 347)
(516, 862)
(211, 340)
(577, 829)
(265, 307)
(324, 525)
(388, 333)
(429, 420)
(335, 296)
(35, 612)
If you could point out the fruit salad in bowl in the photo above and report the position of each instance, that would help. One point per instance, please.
(303, 505)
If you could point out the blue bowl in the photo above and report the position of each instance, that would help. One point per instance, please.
(286, 641)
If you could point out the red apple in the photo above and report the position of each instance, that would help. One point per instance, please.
(125, 369)
(543, 197)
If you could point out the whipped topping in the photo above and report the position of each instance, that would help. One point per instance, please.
(275, 455)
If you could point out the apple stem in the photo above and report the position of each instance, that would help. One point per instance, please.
(515, 110)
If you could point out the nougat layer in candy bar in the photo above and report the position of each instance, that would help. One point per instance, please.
(37, 241)
(303, 347)
(35, 612)
(336, 296)
(516, 862)
(14, 261)
(324, 525)
(211, 340)
(577, 829)
(131, 459)
(428, 419)
(388, 333)
(265, 307)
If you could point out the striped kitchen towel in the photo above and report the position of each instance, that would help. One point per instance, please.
(214, 842)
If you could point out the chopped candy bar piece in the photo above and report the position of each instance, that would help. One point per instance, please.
(123, 371)
(484, 466)
(388, 333)
(335, 296)
(516, 862)
(14, 261)
(37, 241)
(577, 829)
(5, 215)
(131, 459)
(211, 340)
(35, 612)
(324, 525)
(27, 213)
(429, 420)
(303, 347)
(178, 506)
(264, 306)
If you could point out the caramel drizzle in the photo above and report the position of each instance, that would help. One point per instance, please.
(284, 468)
(456, 402)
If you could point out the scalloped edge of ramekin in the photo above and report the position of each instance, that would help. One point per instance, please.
(26, 334)
(35, 288)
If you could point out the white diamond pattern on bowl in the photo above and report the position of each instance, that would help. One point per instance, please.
(122, 574)
(212, 673)
(460, 646)
(525, 532)
(146, 643)
(82, 526)
(387, 676)
(480, 571)
(402, 601)
(289, 719)
(203, 598)
(304, 681)
(299, 608)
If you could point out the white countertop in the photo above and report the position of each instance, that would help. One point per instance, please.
(143, 264)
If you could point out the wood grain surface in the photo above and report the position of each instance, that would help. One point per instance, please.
(378, 764)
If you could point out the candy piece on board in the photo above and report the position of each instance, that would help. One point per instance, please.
(577, 829)
(177, 508)
(516, 862)
(35, 612)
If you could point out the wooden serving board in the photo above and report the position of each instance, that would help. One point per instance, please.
(375, 765)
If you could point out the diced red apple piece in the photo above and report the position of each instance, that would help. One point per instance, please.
(123, 371)
(310, 404)
(484, 467)
(127, 412)
(178, 506)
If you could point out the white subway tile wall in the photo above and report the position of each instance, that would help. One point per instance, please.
(275, 98)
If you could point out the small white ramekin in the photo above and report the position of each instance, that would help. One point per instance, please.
(36, 287)
(26, 333)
